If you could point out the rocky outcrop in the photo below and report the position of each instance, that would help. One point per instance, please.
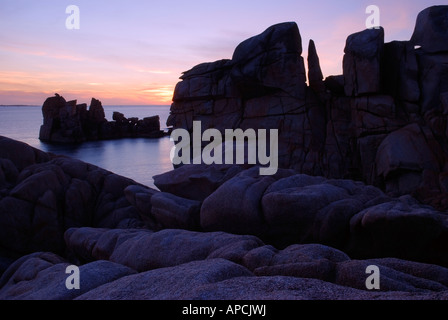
(430, 30)
(227, 232)
(246, 236)
(69, 122)
(212, 266)
(289, 208)
(43, 195)
(343, 127)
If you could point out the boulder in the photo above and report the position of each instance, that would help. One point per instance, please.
(404, 156)
(430, 31)
(195, 182)
(140, 197)
(174, 283)
(270, 60)
(400, 71)
(164, 248)
(28, 278)
(44, 195)
(399, 228)
(173, 212)
(68, 122)
(362, 62)
(315, 75)
(236, 205)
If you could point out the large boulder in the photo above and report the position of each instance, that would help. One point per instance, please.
(44, 195)
(164, 248)
(431, 29)
(28, 277)
(400, 228)
(362, 62)
(333, 128)
(195, 182)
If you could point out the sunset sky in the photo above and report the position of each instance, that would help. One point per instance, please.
(133, 52)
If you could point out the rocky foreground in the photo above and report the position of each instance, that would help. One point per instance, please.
(214, 232)
(362, 182)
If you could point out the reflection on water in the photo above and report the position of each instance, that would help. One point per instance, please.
(139, 159)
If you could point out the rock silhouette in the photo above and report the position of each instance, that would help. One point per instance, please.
(69, 122)
(382, 122)
(363, 155)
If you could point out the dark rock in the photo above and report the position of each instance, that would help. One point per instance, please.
(119, 117)
(164, 248)
(335, 84)
(140, 198)
(28, 278)
(44, 196)
(195, 182)
(404, 156)
(173, 212)
(336, 131)
(315, 75)
(395, 275)
(431, 29)
(175, 283)
(270, 60)
(400, 71)
(67, 122)
(399, 228)
(362, 62)
(236, 205)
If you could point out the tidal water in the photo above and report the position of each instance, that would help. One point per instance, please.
(139, 159)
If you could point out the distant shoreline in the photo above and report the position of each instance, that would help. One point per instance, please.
(19, 105)
(111, 105)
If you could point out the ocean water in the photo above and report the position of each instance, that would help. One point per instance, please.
(139, 159)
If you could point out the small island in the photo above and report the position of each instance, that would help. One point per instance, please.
(69, 122)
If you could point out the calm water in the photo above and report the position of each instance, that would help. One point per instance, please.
(139, 159)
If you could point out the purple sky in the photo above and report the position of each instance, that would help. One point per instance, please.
(133, 52)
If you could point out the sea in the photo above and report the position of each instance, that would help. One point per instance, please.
(136, 158)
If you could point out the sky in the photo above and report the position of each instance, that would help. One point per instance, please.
(132, 52)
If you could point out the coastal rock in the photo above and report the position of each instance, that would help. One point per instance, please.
(164, 248)
(400, 72)
(359, 160)
(363, 54)
(175, 283)
(235, 206)
(140, 197)
(46, 195)
(28, 278)
(315, 76)
(337, 128)
(68, 122)
(270, 60)
(399, 228)
(288, 207)
(297, 272)
(431, 30)
(171, 211)
(195, 182)
(413, 152)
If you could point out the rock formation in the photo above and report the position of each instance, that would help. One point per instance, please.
(227, 232)
(69, 122)
(289, 236)
(382, 122)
